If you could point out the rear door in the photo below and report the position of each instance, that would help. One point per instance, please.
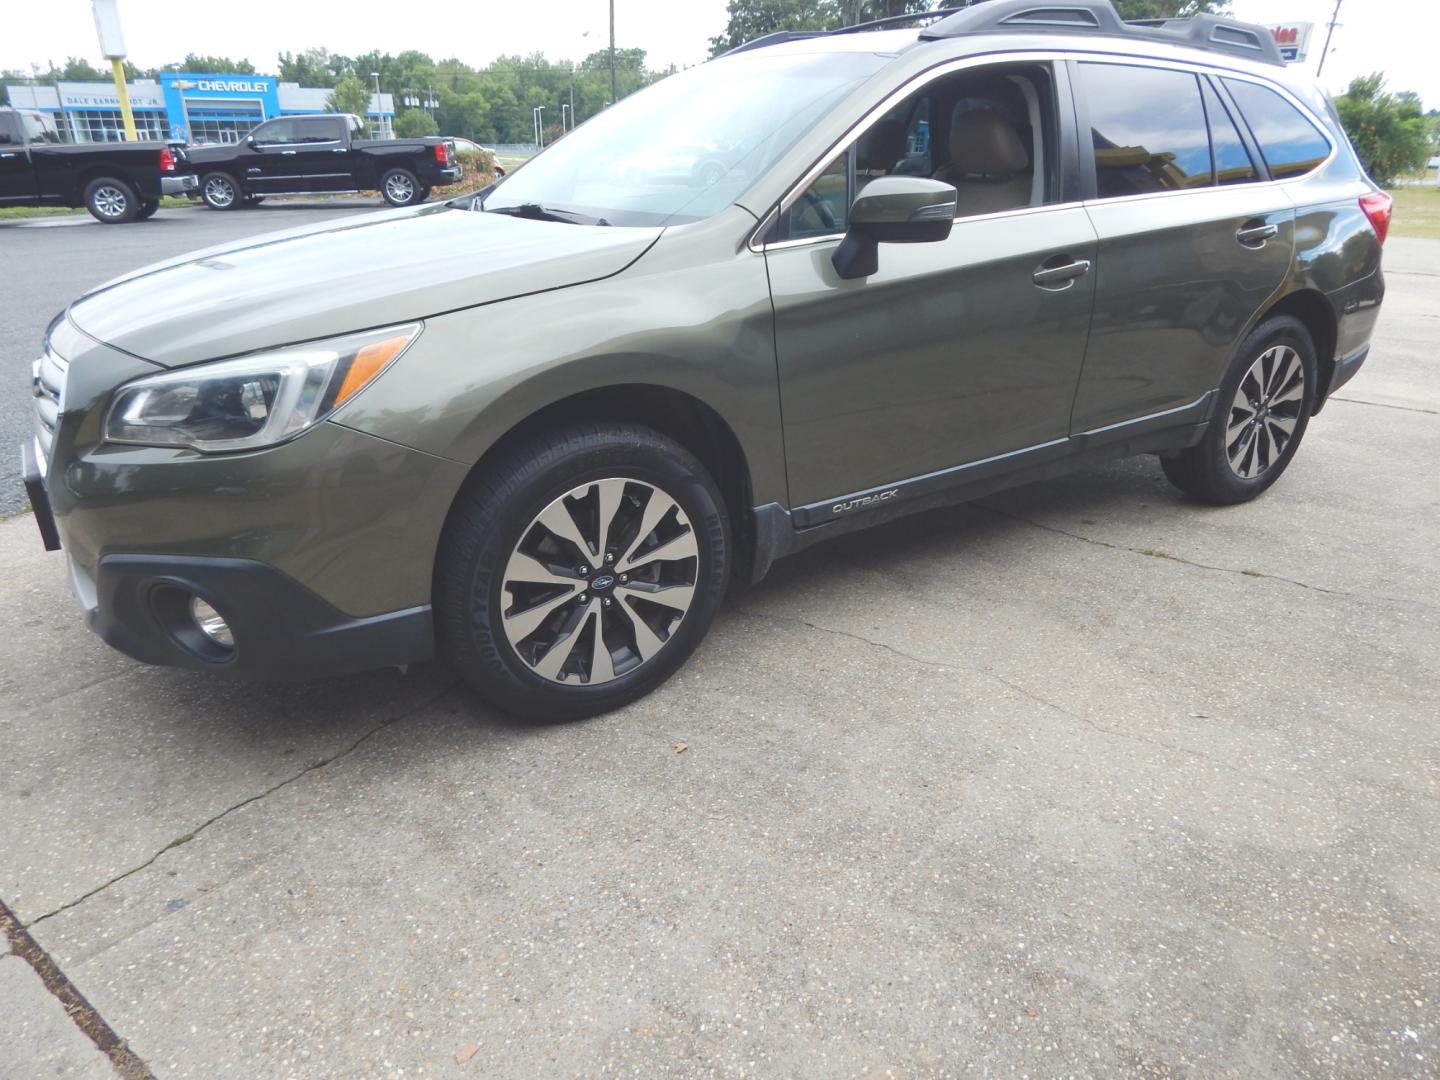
(17, 179)
(1191, 244)
(954, 352)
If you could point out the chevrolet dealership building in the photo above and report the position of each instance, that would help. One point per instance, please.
(194, 107)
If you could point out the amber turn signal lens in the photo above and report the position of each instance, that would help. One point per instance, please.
(368, 363)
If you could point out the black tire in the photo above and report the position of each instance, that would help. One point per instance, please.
(111, 201)
(221, 191)
(398, 187)
(147, 210)
(498, 509)
(1206, 470)
(424, 194)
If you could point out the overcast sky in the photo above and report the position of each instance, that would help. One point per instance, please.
(1396, 36)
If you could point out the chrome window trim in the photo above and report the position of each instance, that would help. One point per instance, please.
(950, 67)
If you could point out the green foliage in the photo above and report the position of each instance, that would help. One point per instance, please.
(200, 63)
(1170, 9)
(1389, 132)
(750, 19)
(415, 124)
(349, 95)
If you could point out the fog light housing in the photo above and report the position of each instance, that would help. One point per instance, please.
(211, 624)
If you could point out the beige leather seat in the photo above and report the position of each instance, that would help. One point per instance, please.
(989, 165)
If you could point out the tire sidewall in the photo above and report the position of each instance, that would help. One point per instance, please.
(235, 200)
(1278, 330)
(502, 676)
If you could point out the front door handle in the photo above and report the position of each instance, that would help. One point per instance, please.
(1255, 235)
(1048, 277)
(287, 151)
(9, 155)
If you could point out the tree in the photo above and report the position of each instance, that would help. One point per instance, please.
(217, 64)
(1170, 9)
(415, 124)
(750, 19)
(314, 67)
(350, 95)
(1389, 131)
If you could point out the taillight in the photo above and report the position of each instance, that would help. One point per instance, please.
(167, 160)
(1377, 208)
(442, 153)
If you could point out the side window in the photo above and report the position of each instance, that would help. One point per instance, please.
(824, 208)
(1148, 129)
(1290, 144)
(324, 129)
(1232, 160)
(7, 130)
(989, 132)
(274, 132)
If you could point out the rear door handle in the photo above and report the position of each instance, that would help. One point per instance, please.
(287, 151)
(1050, 276)
(9, 155)
(1255, 235)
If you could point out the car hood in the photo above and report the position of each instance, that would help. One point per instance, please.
(351, 274)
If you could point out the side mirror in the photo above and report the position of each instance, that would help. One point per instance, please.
(250, 141)
(893, 210)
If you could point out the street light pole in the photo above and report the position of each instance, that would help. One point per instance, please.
(379, 108)
(613, 95)
(540, 125)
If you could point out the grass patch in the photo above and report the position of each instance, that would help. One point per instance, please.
(13, 213)
(1417, 212)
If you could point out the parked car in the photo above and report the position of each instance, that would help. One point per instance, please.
(116, 182)
(539, 429)
(465, 147)
(295, 155)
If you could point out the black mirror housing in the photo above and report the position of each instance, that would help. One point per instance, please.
(894, 210)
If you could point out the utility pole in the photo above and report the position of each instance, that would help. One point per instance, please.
(1328, 33)
(614, 95)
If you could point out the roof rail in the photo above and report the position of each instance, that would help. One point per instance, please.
(1099, 16)
(779, 37)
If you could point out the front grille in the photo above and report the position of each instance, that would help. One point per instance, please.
(47, 383)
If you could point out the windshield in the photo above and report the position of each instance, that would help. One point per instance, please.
(686, 147)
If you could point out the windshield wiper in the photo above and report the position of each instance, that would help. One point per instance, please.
(536, 212)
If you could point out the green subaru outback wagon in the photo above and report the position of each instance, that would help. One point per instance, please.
(814, 284)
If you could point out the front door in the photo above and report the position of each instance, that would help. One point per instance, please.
(953, 352)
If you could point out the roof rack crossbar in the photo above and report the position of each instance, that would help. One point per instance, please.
(1210, 32)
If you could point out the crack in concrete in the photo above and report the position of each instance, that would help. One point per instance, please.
(1384, 405)
(82, 1014)
(180, 841)
(984, 672)
(1154, 553)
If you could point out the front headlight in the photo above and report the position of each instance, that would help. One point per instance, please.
(252, 401)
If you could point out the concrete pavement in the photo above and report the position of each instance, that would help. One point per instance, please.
(1083, 780)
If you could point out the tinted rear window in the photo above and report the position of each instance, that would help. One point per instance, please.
(1291, 144)
(1148, 129)
(1232, 160)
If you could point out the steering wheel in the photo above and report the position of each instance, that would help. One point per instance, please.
(820, 208)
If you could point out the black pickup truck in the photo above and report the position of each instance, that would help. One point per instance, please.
(117, 182)
(295, 155)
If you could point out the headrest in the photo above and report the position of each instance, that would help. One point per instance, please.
(882, 146)
(983, 143)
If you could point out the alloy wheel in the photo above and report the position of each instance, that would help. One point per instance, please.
(399, 187)
(599, 581)
(110, 201)
(1265, 411)
(219, 191)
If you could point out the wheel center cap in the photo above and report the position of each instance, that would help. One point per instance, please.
(601, 582)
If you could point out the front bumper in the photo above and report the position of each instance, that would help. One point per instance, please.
(140, 605)
(180, 185)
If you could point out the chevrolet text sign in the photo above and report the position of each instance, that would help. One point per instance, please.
(233, 86)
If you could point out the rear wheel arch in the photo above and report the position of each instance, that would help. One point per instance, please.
(1313, 310)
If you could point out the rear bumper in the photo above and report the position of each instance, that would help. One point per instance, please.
(180, 185)
(449, 176)
(140, 605)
